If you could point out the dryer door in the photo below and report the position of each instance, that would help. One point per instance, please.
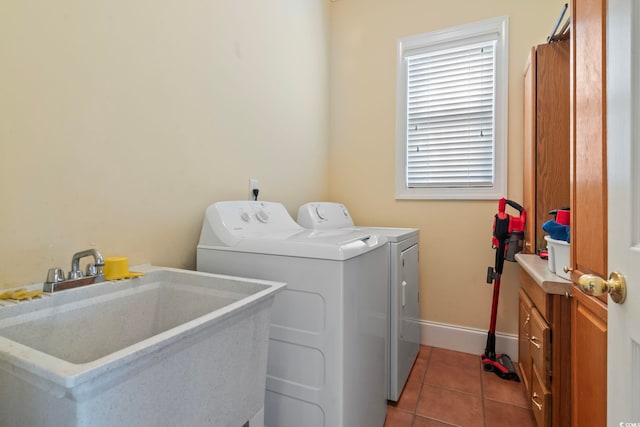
(410, 297)
(405, 312)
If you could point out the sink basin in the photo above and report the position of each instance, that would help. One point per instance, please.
(173, 347)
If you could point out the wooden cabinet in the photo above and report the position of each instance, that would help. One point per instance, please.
(574, 391)
(544, 341)
(588, 210)
(546, 137)
(545, 329)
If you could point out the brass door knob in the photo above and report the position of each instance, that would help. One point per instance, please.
(595, 286)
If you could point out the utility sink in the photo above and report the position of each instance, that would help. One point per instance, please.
(171, 348)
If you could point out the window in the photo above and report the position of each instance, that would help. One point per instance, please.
(452, 113)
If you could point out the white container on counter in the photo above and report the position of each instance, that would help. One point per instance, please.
(558, 257)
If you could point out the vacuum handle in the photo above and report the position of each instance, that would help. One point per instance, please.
(514, 205)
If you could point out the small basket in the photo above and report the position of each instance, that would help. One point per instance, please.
(558, 257)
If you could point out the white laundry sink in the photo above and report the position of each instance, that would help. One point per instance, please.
(171, 348)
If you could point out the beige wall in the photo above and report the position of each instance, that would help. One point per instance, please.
(455, 235)
(121, 121)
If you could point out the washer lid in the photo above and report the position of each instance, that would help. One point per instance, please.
(329, 215)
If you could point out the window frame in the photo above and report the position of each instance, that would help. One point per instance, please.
(442, 39)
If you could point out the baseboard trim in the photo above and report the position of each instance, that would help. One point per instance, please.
(466, 340)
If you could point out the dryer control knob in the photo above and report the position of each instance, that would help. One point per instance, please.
(321, 213)
(262, 216)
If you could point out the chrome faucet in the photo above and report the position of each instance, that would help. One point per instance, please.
(57, 282)
(94, 269)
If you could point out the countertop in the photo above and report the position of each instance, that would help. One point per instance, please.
(536, 267)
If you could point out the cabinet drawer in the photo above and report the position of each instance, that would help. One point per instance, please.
(524, 333)
(539, 298)
(540, 347)
(540, 401)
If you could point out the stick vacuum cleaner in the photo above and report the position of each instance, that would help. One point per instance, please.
(508, 237)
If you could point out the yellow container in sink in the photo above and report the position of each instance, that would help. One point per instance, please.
(116, 268)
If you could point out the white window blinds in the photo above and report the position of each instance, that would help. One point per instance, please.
(451, 116)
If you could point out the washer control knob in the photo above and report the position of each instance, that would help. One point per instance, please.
(262, 216)
(245, 217)
(321, 213)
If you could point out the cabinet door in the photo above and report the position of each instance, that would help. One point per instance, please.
(588, 361)
(524, 334)
(529, 155)
(546, 183)
(552, 133)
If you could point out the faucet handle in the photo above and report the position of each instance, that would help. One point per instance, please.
(55, 275)
(92, 269)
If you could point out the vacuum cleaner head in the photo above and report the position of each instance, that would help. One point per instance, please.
(502, 366)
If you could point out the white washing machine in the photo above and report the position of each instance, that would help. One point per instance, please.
(327, 361)
(404, 284)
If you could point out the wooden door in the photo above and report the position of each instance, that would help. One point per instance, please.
(588, 210)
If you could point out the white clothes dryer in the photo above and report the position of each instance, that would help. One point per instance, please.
(327, 355)
(403, 282)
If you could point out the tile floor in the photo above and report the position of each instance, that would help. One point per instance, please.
(450, 388)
